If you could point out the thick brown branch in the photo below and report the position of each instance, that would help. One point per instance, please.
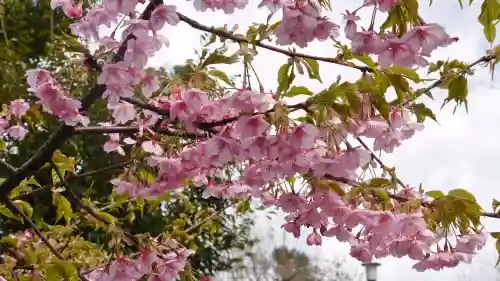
(227, 35)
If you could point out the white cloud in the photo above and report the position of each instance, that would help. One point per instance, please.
(460, 152)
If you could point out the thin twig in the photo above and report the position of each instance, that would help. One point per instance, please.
(35, 228)
(227, 35)
(443, 79)
(379, 161)
(206, 219)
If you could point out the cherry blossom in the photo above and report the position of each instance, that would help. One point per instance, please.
(254, 131)
(19, 107)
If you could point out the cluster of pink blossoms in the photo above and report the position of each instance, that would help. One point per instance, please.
(406, 51)
(302, 23)
(17, 110)
(151, 264)
(267, 157)
(375, 234)
(54, 98)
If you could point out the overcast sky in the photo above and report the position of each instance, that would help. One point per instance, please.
(460, 152)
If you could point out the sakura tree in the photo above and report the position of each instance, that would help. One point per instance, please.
(313, 160)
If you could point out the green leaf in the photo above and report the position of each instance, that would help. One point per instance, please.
(33, 181)
(179, 222)
(336, 188)
(498, 251)
(244, 207)
(458, 90)
(221, 75)
(298, 90)
(495, 235)
(381, 194)
(60, 269)
(63, 207)
(490, 11)
(25, 207)
(422, 112)
(401, 86)
(366, 59)
(12, 241)
(107, 218)
(406, 72)
(8, 213)
(435, 66)
(285, 77)
(412, 8)
(462, 194)
(329, 97)
(495, 204)
(379, 182)
(63, 162)
(217, 58)
(435, 194)
(146, 176)
(312, 67)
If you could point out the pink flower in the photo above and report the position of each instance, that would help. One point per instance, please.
(303, 136)
(113, 93)
(114, 74)
(367, 42)
(250, 126)
(351, 26)
(19, 107)
(4, 125)
(163, 14)
(314, 239)
(113, 144)
(124, 269)
(123, 112)
(361, 252)
(441, 260)
(469, 243)
(398, 52)
(98, 15)
(152, 147)
(428, 37)
(150, 85)
(124, 7)
(228, 6)
(272, 5)
(86, 29)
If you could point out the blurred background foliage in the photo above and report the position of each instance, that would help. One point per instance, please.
(34, 36)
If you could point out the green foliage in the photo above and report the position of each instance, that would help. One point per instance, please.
(490, 13)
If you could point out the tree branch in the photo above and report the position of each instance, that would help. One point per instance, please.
(35, 228)
(10, 169)
(57, 140)
(227, 35)
(133, 130)
(443, 79)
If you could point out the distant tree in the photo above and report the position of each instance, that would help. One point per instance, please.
(286, 264)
